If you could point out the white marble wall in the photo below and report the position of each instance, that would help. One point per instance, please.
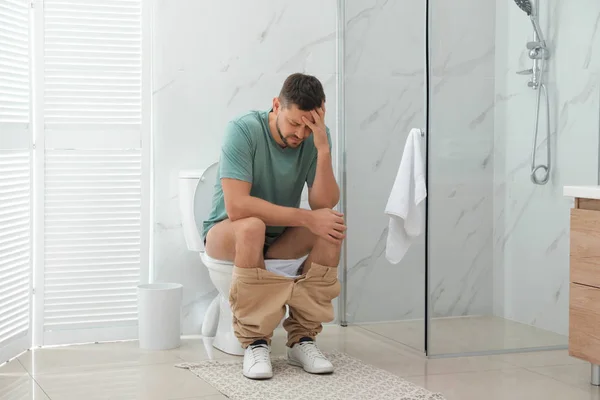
(532, 230)
(212, 61)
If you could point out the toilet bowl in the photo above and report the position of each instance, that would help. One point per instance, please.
(217, 327)
(196, 188)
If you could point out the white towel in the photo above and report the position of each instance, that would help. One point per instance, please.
(406, 206)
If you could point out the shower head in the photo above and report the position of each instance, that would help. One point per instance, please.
(526, 6)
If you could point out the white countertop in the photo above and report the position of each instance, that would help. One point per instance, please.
(584, 192)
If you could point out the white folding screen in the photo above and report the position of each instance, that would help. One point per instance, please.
(15, 179)
(93, 210)
(92, 178)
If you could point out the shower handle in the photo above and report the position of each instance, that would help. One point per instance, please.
(538, 51)
(532, 45)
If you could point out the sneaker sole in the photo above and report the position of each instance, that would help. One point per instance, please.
(310, 371)
(259, 377)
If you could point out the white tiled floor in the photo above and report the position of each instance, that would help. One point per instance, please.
(122, 371)
(468, 334)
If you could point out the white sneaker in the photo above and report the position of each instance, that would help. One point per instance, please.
(308, 356)
(257, 362)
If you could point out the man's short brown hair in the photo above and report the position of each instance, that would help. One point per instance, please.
(305, 91)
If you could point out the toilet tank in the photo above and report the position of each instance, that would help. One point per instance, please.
(196, 188)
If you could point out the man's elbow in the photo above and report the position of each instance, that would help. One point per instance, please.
(319, 203)
(335, 202)
(234, 210)
(331, 203)
(334, 198)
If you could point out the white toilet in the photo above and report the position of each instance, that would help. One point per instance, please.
(196, 188)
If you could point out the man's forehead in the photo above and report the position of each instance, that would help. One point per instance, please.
(295, 114)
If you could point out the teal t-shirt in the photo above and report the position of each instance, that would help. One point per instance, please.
(278, 175)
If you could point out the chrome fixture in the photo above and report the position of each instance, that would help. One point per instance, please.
(539, 53)
(595, 380)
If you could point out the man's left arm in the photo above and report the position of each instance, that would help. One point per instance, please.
(324, 192)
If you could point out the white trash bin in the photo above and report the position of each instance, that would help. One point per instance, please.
(159, 315)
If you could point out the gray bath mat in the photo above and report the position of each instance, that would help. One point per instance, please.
(351, 380)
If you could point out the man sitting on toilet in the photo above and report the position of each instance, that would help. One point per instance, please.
(267, 157)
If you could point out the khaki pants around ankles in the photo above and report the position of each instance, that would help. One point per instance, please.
(258, 298)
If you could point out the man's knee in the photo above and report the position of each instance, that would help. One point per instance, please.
(250, 231)
(334, 248)
(326, 252)
(333, 245)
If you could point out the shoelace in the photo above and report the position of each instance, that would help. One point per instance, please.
(260, 353)
(311, 350)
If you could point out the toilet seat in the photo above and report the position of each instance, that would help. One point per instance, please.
(220, 265)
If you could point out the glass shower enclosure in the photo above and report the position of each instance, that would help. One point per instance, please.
(491, 273)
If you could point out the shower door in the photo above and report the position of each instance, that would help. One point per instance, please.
(383, 67)
(461, 174)
(498, 240)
